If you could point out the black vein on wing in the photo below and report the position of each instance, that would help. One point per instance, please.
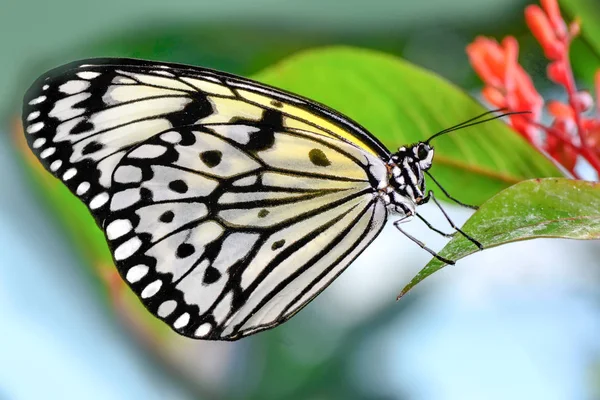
(301, 269)
(351, 248)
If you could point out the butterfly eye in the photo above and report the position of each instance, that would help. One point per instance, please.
(422, 152)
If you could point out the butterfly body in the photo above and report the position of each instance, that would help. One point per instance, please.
(228, 205)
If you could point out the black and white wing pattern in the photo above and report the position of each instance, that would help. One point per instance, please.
(227, 205)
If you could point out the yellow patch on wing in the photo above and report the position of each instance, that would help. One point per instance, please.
(303, 155)
(226, 109)
(300, 115)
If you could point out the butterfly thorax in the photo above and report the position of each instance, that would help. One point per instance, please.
(406, 169)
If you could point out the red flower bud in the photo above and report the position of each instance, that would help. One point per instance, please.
(557, 73)
(511, 54)
(560, 110)
(530, 98)
(590, 124)
(553, 12)
(494, 96)
(562, 153)
(543, 31)
(487, 59)
(592, 140)
(582, 101)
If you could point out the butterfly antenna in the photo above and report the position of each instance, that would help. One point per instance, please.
(458, 126)
(474, 121)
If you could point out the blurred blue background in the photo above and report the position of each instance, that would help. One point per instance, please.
(516, 322)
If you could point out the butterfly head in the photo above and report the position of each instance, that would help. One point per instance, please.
(423, 155)
(406, 173)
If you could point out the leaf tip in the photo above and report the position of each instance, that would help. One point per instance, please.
(404, 291)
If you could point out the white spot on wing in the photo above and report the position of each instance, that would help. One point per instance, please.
(48, 152)
(73, 87)
(182, 321)
(128, 248)
(166, 308)
(171, 137)
(88, 74)
(39, 142)
(37, 100)
(69, 174)
(151, 289)
(45, 87)
(203, 330)
(55, 165)
(249, 180)
(128, 174)
(33, 128)
(33, 115)
(118, 228)
(148, 151)
(83, 188)
(124, 198)
(99, 200)
(136, 273)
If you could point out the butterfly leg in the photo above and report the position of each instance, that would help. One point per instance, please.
(419, 243)
(448, 194)
(429, 225)
(469, 238)
(433, 228)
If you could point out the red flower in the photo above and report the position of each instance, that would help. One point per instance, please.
(507, 85)
(544, 31)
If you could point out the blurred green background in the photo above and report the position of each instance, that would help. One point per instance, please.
(517, 322)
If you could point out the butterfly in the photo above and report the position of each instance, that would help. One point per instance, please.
(228, 205)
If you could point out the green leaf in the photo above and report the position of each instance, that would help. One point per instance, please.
(589, 14)
(539, 208)
(585, 62)
(401, 103)
(585, 49)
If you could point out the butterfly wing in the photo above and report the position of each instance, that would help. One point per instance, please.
(228, 205)
(80, 118)
(221, 239)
